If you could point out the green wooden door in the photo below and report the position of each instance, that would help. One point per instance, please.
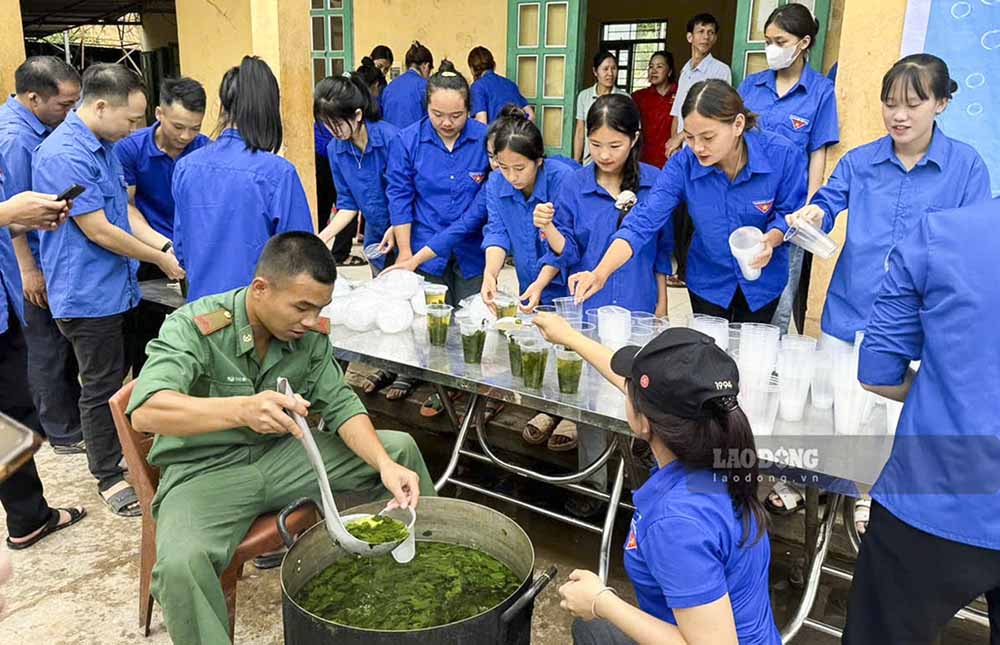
(332, 38)
(748, 41)
(542, 58)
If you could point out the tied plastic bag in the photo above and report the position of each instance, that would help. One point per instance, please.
(337, 310)
(474, 309)
(394, 316)
(397, 285)
(419, 304)
(363, 306)
(342, 287)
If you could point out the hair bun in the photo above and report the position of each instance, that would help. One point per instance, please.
(952, 87)
(367, 62)
(511, 111)
(446, 66)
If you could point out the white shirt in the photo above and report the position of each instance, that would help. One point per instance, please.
(710, 67)
(584, 100)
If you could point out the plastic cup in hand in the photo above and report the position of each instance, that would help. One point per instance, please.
(534, 356)
(569, 367)
(374, 251)
(807, 236)
(568, 309)
(614, 325)
(438, 320)
(746, 243)
(435, 294)
(506, 305)
(473, 341)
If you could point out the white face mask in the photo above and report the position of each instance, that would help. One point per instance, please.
(780, 57)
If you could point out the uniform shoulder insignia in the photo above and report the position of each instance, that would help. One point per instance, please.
(213, 321)
(323, 326)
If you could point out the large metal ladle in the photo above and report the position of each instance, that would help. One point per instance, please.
(402, 551)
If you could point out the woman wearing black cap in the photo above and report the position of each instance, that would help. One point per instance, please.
(697, 551)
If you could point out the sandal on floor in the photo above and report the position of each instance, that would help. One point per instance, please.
(52, 526)
(122, 500)
(399, 389)
(537, 430)
(564, 437)
(862, 512)
(377, 380)
(433, 405)
(675, 282)
(791, 499)
(583, 507)
(352, 261)
(493, 408)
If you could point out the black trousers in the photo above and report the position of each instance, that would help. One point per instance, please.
(53, 377)
(326, 197)
(683, 232)
(20, 494)
(738, 310)
(99, 345)
(908, 584)
(142, 324)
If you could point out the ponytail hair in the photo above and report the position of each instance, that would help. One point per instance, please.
(717, 100)
(338, 98)
(620, 113)
(481, 61)
(925, 75)
(448, 78)
(370, 75)
(417, 55)
(702, 444)
(513, 130)
(251, 102)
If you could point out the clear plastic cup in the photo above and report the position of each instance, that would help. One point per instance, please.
(545, 309)
(514, 349)
(435, 294)
(641, 334)
(567, 308)
(534, 356)
(587, 329)
(506, 305)
(590, 315)
(760, 403)
(734, 340)
(569, 367)
(473, 341)
(758, 352)
(614, 325)
(807, 236)
(795, 369)
(374, 251)
(822, 380)
(438, 321)
(717, 328)
(643, 317)
(850, 400)
(746, 243)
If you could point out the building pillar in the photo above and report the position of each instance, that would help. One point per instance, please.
(11, 44)
(215, 35)
(863, 61)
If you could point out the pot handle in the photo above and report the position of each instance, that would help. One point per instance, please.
(282, 520)
(525, 600)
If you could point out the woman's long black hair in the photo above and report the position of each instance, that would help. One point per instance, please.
(620, 113)
(251, 103)
(513, 130)
(338, 98)
(704, 443)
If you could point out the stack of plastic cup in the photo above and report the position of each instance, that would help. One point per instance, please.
(568, 309)
(717, 328)
(614, 326)
(587, 329)
(812, 239)
(746, 243)
(822, 380)
(734, 341)
(641, 334)
(661, 324)
(590, 315)
(760, 403)
(643, 318)
(851, 402)
(758, 353)
(796, 362)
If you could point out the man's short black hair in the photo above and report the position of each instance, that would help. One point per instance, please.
(291, 254)
(186, 91)
(42, 75)
(112, 82)
(702, 19)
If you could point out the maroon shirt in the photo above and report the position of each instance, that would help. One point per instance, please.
(656, 122)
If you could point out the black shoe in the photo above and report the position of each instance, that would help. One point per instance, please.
(583, 507)
(269, 560)
(78, 448)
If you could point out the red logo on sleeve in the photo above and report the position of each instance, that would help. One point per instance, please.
(477, 177)
(798, 122)
(764, 205)
(631, 545)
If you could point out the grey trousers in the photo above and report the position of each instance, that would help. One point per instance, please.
(598, 632)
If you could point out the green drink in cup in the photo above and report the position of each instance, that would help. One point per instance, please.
(438, 320)
(506, 305)
(473, 341)
(514, 349)
(569, 367)
(434, 294)
(534, 356)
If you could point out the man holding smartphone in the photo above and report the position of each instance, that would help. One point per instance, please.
(46, 90)
(90, 263)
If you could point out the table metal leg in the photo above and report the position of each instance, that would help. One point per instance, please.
(449, 406)
(812, 524)
(463, 431)
(609, 520)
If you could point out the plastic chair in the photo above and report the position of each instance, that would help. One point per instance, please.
(262, 537)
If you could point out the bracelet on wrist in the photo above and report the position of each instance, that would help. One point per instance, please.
(166, 247)
(593, 605)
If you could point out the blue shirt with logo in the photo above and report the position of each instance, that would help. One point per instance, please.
(491, 92)
(586, 216)
(886, 201)
(151, 171)
(229, 202)
(403, 99)
(686, 548)
(768, 188)
(431, 187)
(360, 178)
(20, 133)
(83, 279)
(939, 304)
(11, 290)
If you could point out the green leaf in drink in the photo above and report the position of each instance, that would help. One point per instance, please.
(472, 346)
(533, 366)
(569, 371)
(437, 330)
(514, 353)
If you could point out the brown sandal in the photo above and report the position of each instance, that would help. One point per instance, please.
(564, 438)
(537, 430)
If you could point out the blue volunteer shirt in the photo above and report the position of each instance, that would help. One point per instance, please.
(20, 133)
(151, 171)
(10, 274)
(430, 187)
(83, 279)
(491, 92)
(229, 203)
(684, 550)
(586, 216)
(768, 188)
(322, 138)
(403, 99)
(360, 178)
(806, 114)
(939, 303)
(885, 202)
(511, 227)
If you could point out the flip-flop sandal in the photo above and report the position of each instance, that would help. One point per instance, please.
(433, 405)
(399, 389)
(537, 430)
(52, 526)
(377, 380)
(564, 438)
(123, 501)
(675, 282)
(493, 408)
(862, 513)
(791, 499)
(352, 261)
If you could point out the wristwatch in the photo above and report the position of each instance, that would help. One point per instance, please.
(166, 247)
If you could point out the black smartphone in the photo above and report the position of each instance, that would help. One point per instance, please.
(72, 192)
(17, 445)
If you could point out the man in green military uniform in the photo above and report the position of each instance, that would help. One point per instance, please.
(225, 443)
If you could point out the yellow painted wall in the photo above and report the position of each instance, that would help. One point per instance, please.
(863, 61)
(158, 30)
(449, 28)
(11, 44)
(831, 49)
